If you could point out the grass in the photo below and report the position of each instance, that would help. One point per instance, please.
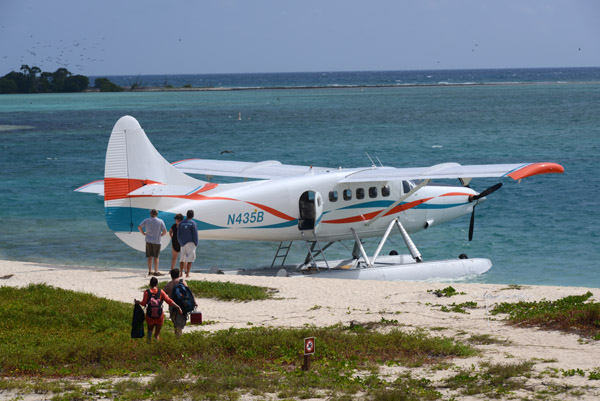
(492, 380)
(226, 291)
(572, 314)
(50, 333)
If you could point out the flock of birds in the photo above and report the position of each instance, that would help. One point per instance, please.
(73, 55)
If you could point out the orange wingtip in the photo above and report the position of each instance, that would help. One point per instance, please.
(535, 169)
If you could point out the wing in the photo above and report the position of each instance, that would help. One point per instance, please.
(454, 170)
(273, 169)
(268, 169)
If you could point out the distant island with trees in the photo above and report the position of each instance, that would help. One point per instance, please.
(34, 80)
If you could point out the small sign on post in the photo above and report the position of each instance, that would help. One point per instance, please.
(309, 349)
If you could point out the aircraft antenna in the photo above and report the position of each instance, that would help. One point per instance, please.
(372, 162)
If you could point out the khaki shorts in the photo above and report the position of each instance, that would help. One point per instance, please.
(188, 253)
(153, 250)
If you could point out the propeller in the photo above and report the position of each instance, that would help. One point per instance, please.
(474, 198)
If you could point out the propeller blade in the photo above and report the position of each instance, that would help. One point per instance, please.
(486, 192)
(483, 194)
(472, 224)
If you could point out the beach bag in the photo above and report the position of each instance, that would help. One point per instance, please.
(182, 296)
(137, 323)
(154, 308)
(196, 317)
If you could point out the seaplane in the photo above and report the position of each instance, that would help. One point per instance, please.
(283, 203)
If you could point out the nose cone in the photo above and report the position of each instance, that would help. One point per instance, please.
(481, 200)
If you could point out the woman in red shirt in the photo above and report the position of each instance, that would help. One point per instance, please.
(153, 299)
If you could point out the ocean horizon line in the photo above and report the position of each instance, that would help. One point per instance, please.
(341, 71)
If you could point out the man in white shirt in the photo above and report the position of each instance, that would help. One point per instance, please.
(154, 229)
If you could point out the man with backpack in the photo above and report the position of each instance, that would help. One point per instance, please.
(178, 290)
(187, 234)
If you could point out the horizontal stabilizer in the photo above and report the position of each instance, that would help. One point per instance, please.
(94, 187)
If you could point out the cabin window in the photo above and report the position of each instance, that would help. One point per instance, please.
(347, 194)
(405, 187)
(360, 193)
(385, 190)
(372, 192)
(333, 196)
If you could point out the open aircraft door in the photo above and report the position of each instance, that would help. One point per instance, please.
(311, 210)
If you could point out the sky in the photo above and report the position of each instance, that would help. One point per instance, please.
(125, 37)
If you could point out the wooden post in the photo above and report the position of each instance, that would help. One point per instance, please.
(306, 365)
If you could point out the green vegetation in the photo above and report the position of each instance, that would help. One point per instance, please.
(493, 380)
(33, 80)
(446, 292)
(106, 85)
(459, 308)
(570, 314)
(52, 333)
(573, 372)
(226, 291)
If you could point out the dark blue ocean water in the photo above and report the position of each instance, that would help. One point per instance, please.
(363, 78)
(541, 231)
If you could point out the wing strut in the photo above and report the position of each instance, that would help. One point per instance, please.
(361, 248)
(409, 243)
(310, 255)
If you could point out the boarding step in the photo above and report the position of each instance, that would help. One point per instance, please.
(282, 253)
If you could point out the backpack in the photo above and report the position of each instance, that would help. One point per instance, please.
(154, 307)
(182, 296)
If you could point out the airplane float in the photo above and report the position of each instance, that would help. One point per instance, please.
(286, 203)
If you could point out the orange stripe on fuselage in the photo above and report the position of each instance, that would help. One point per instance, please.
(207, 187)
(456, 194)
(272, 211)
(369, 216)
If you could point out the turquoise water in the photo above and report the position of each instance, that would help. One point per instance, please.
(541, 231)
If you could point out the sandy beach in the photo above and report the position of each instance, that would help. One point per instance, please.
(323, 302)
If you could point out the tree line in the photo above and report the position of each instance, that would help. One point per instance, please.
(34, 80)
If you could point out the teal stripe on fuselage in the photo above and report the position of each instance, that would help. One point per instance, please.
(372, 204)
(124, 219)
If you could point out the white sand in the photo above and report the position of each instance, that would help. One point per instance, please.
(324, 302)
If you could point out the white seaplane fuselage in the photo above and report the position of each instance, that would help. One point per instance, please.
(284, 202)
(269, 210)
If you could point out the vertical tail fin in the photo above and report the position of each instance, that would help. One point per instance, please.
(132, 162)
